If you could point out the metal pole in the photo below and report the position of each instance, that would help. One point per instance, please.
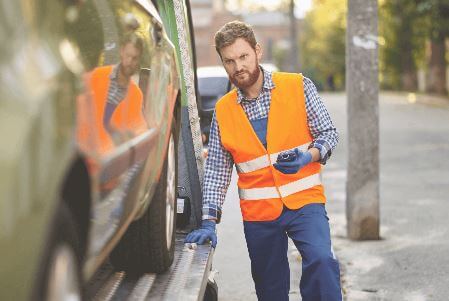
(362, 87)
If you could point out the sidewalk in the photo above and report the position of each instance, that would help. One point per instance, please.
(411, 261)
(436, 101)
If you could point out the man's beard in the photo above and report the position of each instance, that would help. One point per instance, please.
(127, 71)
(245, 83)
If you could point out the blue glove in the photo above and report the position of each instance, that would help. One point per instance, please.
(290, 162)
(204, 233)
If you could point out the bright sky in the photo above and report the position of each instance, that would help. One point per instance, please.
(302, 6)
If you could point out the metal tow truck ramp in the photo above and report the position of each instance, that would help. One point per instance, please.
(186, 279)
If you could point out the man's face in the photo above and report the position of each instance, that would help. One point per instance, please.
(130, 59)
(241, 62)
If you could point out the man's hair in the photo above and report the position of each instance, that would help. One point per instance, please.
(232, 31)
(133, 39)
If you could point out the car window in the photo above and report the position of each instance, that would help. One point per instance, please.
(213, 86)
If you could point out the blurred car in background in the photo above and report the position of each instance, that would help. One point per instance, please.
(213, 83)
(88, 123)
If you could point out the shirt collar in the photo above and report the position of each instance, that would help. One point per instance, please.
(114, 73)
(268, 84)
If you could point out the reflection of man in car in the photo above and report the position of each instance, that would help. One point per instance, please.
(116, 101)
(123, 90)
(110, 110)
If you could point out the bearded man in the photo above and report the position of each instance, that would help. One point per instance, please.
(277, 132)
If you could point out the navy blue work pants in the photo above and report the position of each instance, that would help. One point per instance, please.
(267, 244)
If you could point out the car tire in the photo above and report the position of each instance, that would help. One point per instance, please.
(60, 273)
(149, 243)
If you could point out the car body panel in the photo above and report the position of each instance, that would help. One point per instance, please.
(37, 126)
(50, 78)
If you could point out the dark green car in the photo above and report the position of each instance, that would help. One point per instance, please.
(88, 112)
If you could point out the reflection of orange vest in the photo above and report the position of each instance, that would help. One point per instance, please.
(127, 116)
(262, 189)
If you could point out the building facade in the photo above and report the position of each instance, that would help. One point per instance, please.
(271, 29)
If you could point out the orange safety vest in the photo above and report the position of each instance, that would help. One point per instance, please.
(263, 190)
(92, 136)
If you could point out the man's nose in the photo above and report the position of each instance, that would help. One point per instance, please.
(129, 60)
(238, 66)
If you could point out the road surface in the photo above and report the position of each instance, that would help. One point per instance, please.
(411, 261)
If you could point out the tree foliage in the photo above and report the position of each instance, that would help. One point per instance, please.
(322, 43)
(437, 15)
(402, 28)
(412, 35)
(407, 26)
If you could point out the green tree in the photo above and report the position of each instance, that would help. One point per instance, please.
(403, 30)
(436, 13)
(405, 27)
(323, 43)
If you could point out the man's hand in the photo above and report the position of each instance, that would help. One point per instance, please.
(205, 233)
(290, 162)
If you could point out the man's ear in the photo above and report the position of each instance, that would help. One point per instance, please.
(259, 51)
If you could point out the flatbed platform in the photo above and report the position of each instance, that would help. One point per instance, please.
(186, 279)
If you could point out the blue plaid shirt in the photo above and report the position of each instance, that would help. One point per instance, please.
(219, 163)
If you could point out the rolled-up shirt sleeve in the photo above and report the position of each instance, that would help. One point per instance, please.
(217, 176)
(324, 133)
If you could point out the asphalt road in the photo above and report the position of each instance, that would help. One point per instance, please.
(411, 262)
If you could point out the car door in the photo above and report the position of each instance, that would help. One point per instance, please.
(158, 83)
(103, 135)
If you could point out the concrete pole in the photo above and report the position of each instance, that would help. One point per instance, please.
(362, 87)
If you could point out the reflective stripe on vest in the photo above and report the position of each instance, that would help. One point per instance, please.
(264, 161)
(254, 194)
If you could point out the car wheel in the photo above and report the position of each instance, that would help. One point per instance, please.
(149, 243)
(61, 266)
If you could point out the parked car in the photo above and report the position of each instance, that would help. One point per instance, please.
(213, 83)
(88, 123)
